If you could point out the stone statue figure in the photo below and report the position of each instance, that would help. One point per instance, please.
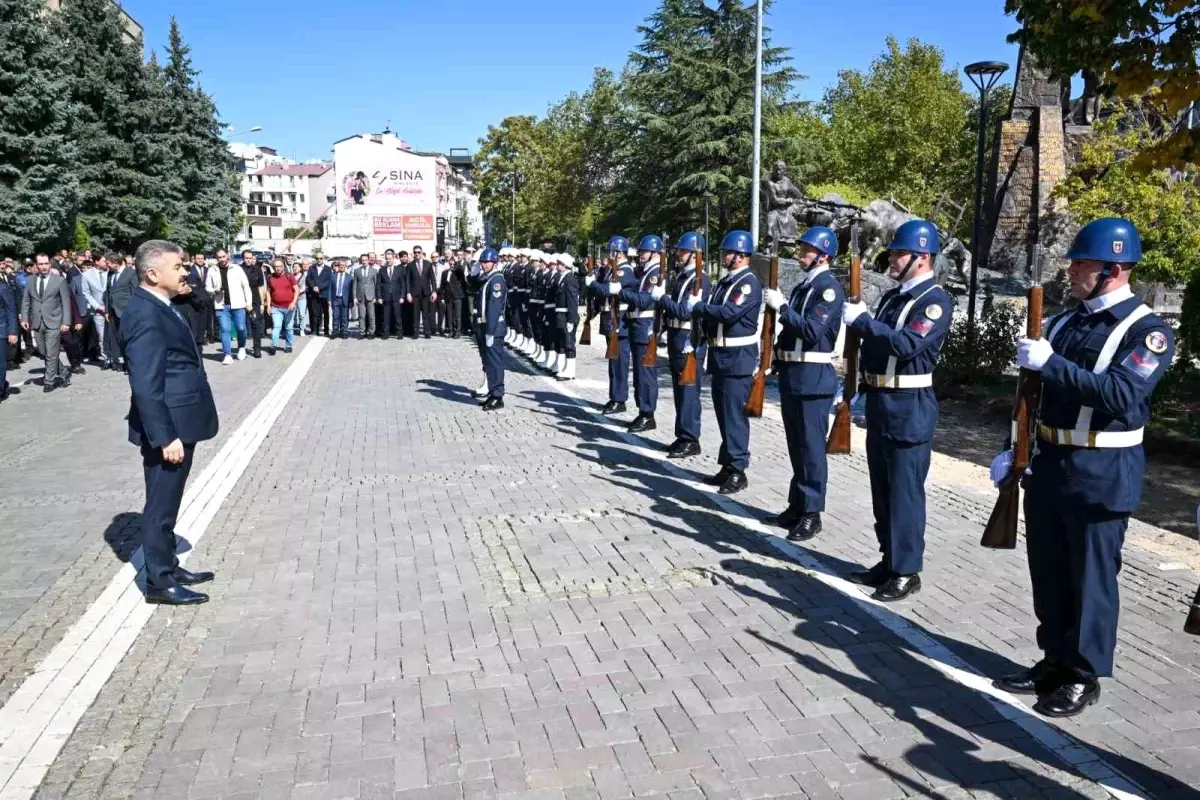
(782, 201)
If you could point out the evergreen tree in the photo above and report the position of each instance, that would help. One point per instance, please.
(207, 202)
(120, 196)
(38, 185)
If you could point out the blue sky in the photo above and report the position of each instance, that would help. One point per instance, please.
(314, 71)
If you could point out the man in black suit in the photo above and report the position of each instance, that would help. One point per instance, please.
(319, 275)
(195, 301)
(452, 291)
(422, 292)
(171, 409)
(122, 280)
(390, 288)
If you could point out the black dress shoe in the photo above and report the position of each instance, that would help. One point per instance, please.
(105, 367)
(897, 588)
(287, 349)
(493, 404)
(613, 407)
(686, 449)
(185, 578)
(256, 353)
(1069, 699)
(1042, 678)
(720, 477)
(642, 423)
(64, 381)
(49, 387)
(78, 371)
(787, 519)
(874, 577)
(271, 350)
(175, 596)
(734, 483)
(808, 527)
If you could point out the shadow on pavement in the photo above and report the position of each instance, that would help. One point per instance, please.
(124, 535)
(447, 391)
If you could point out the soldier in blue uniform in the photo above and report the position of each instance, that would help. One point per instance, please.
(566, 317)
(9, 331)
(550, 281)
(618, 369)
(512, 317)
(489, 309)
(674, 301)
(641, 299)
(900, 347)
(812, 323)
(731, 326)
(1100, 363)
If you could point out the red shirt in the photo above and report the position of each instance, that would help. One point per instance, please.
(282, 289)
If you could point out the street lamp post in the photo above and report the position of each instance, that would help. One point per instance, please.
(232, 132)
(754, 179)
(708, 196)
(984, 75)
(513, 230)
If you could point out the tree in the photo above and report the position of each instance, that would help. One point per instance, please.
(1133, 48)
(203, 206)
(38, 184)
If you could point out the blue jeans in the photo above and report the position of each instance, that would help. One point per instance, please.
(300, 318)
(282, 318)
(227, 318)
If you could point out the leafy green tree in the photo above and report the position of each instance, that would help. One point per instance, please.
(1133, 48)
(38, 184)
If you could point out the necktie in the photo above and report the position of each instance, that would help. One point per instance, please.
(41, 284)
(340, 276)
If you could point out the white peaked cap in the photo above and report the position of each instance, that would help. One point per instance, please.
(566, 260)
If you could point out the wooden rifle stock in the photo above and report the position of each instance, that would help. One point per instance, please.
(690, 374)
(839, 434)
(651, 357)
(758, 389)
(585, 337)
(1001, 530)
(613, 353)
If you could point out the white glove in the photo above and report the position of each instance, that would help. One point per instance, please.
(571, 328)
(774, 298)
(1001, 467)
(852, 311)
(693, 299)
(490, 340)
(589, 280)
(614, 289)
(1033, 353)
(657, 292)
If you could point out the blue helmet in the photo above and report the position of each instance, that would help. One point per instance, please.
(916, 236)
(618, 243)
(692, 241)
(1112, 240)
(488, 256)
(738, 242)
(651, 243)
(822, 238)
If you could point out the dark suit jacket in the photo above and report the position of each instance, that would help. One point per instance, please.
(8, 311)
(171, 398)
(320, 285)
(198, 300)
(396, 288)
(76, 277)
(453, 286)
(117, 297)
(346, 296)
(422, 280)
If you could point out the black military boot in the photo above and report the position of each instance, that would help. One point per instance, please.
(897, 588)
(613, 407)
(787, 519)
(493, 404)
(1069, 699)
(808, 527)
(874, 577)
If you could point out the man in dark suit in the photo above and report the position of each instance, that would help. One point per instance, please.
(171, 409)
(46, 310)
(452, 291)
(422, 292)
(122, 280)
(8, 331)
(319, 275)
(341, 296)
(195, 300)
(390, 288)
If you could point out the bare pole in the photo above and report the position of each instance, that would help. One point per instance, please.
(755, 176)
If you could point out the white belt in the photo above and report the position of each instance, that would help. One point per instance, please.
(537, 302)
(562, 310)
(898, 381)
(1091, 440)
(800, 357)
(735, 341)
(640, 314)
(679, 323)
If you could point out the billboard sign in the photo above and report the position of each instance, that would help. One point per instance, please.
(379, 178)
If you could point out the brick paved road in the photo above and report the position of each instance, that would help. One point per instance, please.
(422, 601)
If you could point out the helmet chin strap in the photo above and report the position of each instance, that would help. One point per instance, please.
(912, 259)
(1105, 275)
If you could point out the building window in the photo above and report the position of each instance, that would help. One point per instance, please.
(301, 198)
(304, 217)
(274, 211)
(276, 197)
(250, 209)
(262, 211)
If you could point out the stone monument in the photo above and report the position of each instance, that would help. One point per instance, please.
(783, 200)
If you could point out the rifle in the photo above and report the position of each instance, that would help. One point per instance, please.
(688, 376)
(758, 390)
(651, 357)
(839, 434)
(1001, 530)
(614, 315)
(585, 337)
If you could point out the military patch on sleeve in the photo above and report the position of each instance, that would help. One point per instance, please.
(654, 280)
(921, 326)
(496, 290)
(829, 295)
(821, 314)
(1141, 361)
(934, 312)
(1156, 342)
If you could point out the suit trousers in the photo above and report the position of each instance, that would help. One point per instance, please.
(257, 327)
(100, 327)
(72, 345)
(366, 317)
(4, 353)
(198, 322)
(164, 493)
(422, 316)
(645, 381)
(898, 471)
(454, 316)
(49, 344)
(318, 312)
(341, 318)
(112, 342)
(618, 373)
(391, 321)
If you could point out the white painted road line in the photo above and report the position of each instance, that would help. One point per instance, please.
(922, 646)
(40, 716)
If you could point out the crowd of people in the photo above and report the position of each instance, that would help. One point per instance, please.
(71, 304)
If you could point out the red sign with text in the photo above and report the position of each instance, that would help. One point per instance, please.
(411, 227)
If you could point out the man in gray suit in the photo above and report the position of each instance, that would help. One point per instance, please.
(122, 280)
(364, 296)
(95, 283)
(46, 311)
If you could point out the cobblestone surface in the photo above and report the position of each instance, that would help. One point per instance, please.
(419, 600)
